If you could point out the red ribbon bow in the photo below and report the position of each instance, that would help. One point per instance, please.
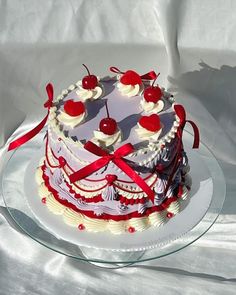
(148, 76)
(117, 159)
(26, 137)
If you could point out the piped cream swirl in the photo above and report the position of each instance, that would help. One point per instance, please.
(91, 94)
(151, 107)
(129, 90)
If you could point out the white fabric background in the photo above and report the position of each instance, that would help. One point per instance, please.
(193, 45)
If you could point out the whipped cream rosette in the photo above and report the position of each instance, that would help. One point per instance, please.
(89, 87)
(108, 133)
(130, 83)
(74, 113)
(149, 127)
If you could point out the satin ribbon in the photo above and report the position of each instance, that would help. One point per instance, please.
(180, 112)
(117, 159)
(148, 76)
(26, 137)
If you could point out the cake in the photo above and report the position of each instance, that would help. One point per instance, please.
(114, 157)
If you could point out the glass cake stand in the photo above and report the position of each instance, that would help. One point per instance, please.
(14, 165)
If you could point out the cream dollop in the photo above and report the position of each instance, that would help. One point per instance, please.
(129, 90)
(71, 121)
(143, 133)
(151, 107)
(91, 94)
(105, 139)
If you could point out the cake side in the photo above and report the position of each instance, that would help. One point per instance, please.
(109, 195)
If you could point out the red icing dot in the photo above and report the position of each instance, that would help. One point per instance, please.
(132, 201)
(111, 178)
(43, 200)
(131, 229)
(81, 226)
(169, 215)
(126, 202)
(59, 139)
(62, 161)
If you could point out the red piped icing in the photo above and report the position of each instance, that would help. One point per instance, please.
(105, 216)
(74, 108)
(81, 226)
(151, 123)
(44, 200)
(169, 215)
(131, 229)
(130, 78)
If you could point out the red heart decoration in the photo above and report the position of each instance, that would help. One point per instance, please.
(74, 108)
(131, 78)
(111, 178)
(151, 123)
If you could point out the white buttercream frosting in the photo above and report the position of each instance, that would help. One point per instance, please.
(72, 218)
(143, 133)
(174, 207)
(54, 206)
(91, 94)
(157, 218)
(139, 224)
(38, 175)
(71, 121)
(109, 193)
(129, 90)
(105, 139)
(151, 107)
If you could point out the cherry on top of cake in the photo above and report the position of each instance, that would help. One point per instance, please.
(126, 112)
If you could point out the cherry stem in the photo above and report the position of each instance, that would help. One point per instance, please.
(155, 79)
(87, 69)
(108, 116)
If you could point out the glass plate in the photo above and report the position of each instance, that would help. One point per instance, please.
(12, 179)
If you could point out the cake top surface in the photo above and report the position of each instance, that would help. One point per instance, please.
(140, 119)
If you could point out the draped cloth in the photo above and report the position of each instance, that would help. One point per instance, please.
(192, 44)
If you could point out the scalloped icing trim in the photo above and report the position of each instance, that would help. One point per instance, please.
(73, 218)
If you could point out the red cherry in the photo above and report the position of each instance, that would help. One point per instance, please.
(89, 81)
(152, 94)
(73, 108)
(108, 126)
(130, 78)
(169, 215)
(43, 200)
(111, 178)
(151, 123)
(131, 229)
(81, 226)
(62, 162)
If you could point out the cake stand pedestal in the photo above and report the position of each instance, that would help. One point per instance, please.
(115, 253)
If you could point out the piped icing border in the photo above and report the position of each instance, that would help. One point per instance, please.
(82, 221)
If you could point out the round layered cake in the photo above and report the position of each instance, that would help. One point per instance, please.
(114, 158)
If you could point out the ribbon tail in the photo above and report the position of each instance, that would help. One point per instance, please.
(116, 70)
(135, 177)
(29, 135)
(149, 76)
(196, 134)
(88, 170)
